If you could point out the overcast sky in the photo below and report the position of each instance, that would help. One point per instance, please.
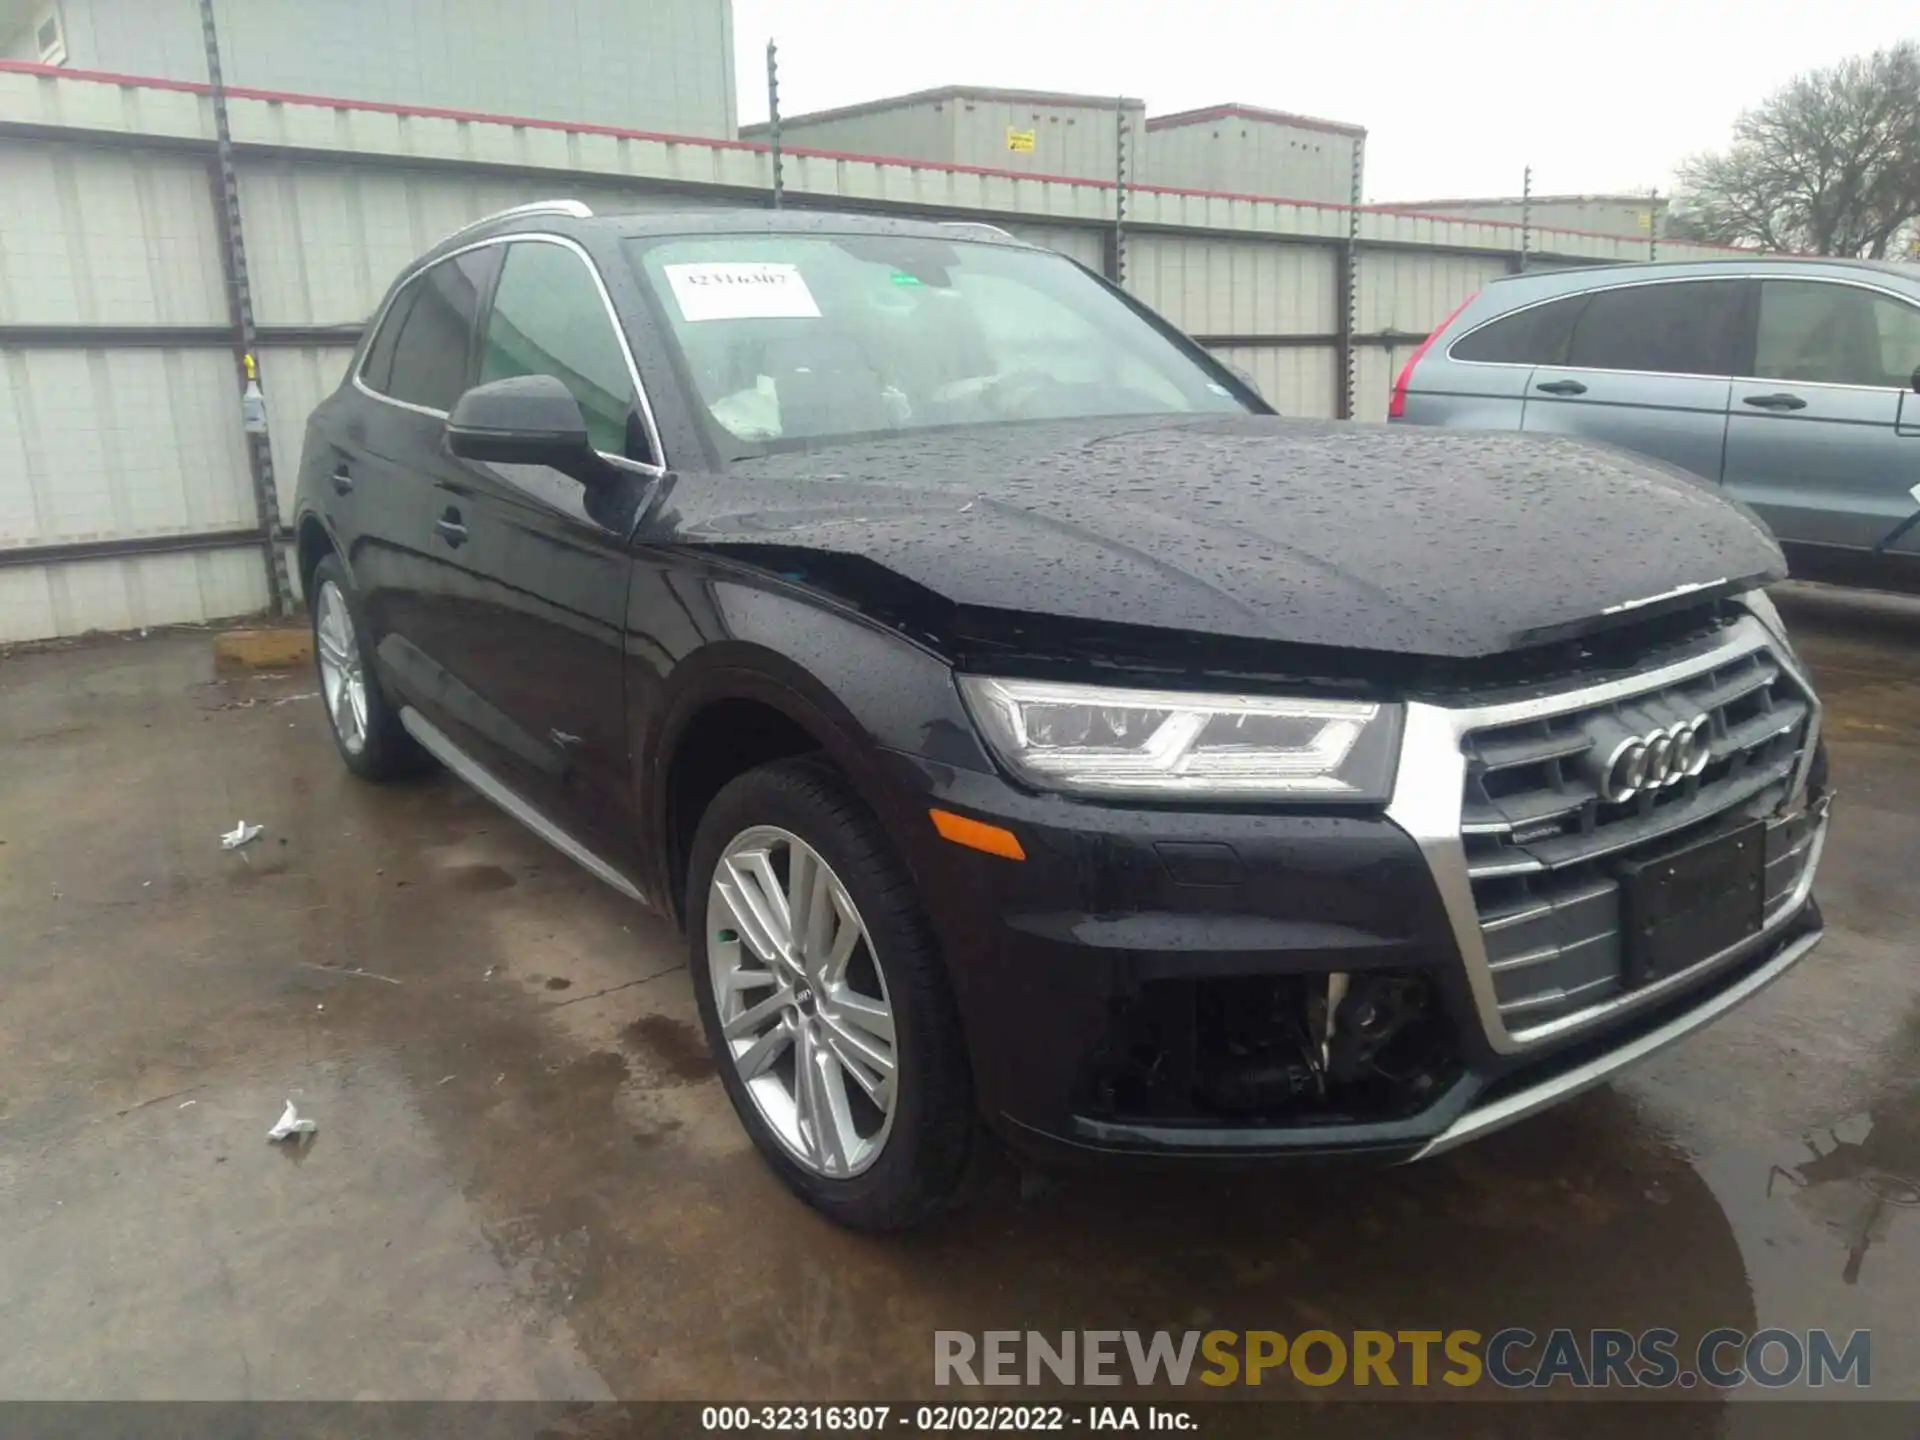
(1457, 97)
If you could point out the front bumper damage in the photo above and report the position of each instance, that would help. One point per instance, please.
(1155, 984)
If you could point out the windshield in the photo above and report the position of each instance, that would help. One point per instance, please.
(791, 340)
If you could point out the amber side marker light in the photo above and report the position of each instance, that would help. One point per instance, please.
(978, 835)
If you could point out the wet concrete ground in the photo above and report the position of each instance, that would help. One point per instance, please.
(526, 1182)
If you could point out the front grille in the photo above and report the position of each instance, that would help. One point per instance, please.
(1543, 845)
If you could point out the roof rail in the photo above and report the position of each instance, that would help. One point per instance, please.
(979, 226)
(578, 209)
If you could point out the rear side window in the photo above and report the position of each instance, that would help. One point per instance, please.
(549, 318)
(1683, 328)
(1534, 336)
(376, 371)
(1826, 334)
(431, 324)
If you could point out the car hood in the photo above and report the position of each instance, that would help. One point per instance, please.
(1399, 539)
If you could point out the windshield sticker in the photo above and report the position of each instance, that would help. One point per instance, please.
(733, 291)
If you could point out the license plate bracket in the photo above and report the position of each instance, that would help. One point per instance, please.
(1680, 907)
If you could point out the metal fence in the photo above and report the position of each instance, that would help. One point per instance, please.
(127, 486)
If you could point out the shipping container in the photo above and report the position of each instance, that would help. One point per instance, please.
(1027, 132)
(1245, 150)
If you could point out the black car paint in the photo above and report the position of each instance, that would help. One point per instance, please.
(577, 635)
(1351, 537)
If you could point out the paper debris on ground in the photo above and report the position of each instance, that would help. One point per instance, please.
(290, 1124)
(241, 834)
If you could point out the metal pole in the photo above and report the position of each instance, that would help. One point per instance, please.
(265, 494)
(1117, 271)
(1653, 224)
(773, 122)
(1526, 215)
(1349, 398)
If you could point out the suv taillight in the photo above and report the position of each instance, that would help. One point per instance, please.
(1397, 402)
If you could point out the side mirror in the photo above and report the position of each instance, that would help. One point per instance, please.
(1914, 379)
(527, 420)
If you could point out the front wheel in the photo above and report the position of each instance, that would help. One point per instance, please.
(824, 999)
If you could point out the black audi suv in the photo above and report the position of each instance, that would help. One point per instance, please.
(1027, 727)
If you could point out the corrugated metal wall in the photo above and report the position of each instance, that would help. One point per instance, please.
(115, 441)
(120, 443)
(1082, 243)
(126, 493)
(74, 597)
(97, 236)
(1631, 216)
(1235, 287)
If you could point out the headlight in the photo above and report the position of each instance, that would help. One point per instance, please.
(1151, 744)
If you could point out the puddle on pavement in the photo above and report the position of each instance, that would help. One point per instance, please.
(1828, 1226)
(1857, 1178)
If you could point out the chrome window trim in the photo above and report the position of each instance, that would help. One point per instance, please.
(1906, 299)
(606, 302)
(1590, 291)
(407, 277)
(1427, 802)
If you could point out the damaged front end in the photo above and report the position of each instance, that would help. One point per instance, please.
(1280, 1050)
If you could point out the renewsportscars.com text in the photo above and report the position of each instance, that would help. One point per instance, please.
(1510, 1359)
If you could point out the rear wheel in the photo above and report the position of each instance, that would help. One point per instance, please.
(366, 726)
(824, 999)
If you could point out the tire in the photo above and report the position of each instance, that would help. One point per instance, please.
(881, 1170)
(368, 734)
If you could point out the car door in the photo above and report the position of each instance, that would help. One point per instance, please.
(1823, 437)
(1647, 367)
(1480, 381)
(391, 453)
(540, 564)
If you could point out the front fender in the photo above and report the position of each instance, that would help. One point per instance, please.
(857, 688)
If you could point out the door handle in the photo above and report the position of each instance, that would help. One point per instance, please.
(1562, 387)
(1776, 402)
(342, 480)
(449, 528)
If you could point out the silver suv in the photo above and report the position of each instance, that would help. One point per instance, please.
(1791, 383)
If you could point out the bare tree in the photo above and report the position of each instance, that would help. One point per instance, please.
(1829, 164)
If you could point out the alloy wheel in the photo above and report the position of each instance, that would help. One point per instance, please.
(342, 680)
(801, 1001)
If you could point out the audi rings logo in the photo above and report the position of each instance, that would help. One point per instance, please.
(1657, 759)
